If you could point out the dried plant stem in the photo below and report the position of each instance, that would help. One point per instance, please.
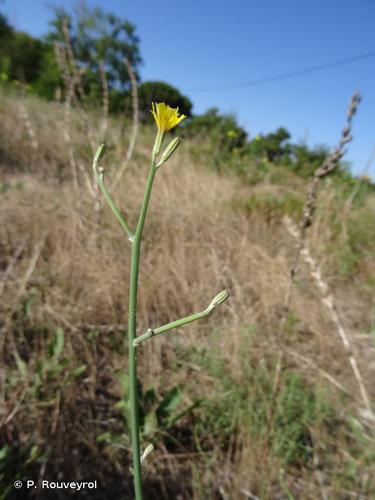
(60, 57)
(69, 83)
(72, 67)
(328, 300)
(313, 366)
(67, 121)
(28, 124)
(73, 77)
(105, 102)
(299, 234)
(331, 306)
(329, 165)
(135, 123)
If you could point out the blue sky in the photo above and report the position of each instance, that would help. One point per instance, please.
(197, 45)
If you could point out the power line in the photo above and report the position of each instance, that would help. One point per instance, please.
(283, 76)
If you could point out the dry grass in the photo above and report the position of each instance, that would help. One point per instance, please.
(70, 275)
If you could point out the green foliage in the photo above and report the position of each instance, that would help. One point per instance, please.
(149, 92)
(98, 39)
(361, 229)
(362, 456)
(298, 408)
(220, 137)
(355, 188)
(158, 413)
(5, 28)
(49, 79)
(276, 150)
(305, 161)
(230, 148)
(50, 371)
(20, 54)
(272, 205)
(273, 147)
(20, 463)
(249, 402)
(353, 237)
(222, 130)
(42, 378)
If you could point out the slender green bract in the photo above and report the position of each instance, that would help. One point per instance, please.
(166, 118)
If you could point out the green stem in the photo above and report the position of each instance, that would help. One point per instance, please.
(132, 367)
(132, 328)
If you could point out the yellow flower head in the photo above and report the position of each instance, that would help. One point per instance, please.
(166, 117)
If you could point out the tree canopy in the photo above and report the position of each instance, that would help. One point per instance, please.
(20, 54)
(92, 42)
(97, 37)
(224, 129)
(155, 91)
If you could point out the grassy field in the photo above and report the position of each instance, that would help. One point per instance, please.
(259, 401)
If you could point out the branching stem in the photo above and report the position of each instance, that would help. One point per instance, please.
(136, 239)
(180, 322)
(100, 180)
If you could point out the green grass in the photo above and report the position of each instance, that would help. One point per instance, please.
(272, 206)
(247, 403)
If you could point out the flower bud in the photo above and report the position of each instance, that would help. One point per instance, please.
(220, 298)
(169, 150)
(99, 153)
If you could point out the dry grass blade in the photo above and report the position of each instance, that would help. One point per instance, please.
(325, 374)
(8, 271)
(20, 293)
(248, 494)
(29, 271)
(134, 131)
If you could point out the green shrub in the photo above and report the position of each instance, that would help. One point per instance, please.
(272, 205)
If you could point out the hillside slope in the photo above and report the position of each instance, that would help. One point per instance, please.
(260, 400)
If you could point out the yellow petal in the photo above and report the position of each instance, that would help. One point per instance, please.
(166, 117)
